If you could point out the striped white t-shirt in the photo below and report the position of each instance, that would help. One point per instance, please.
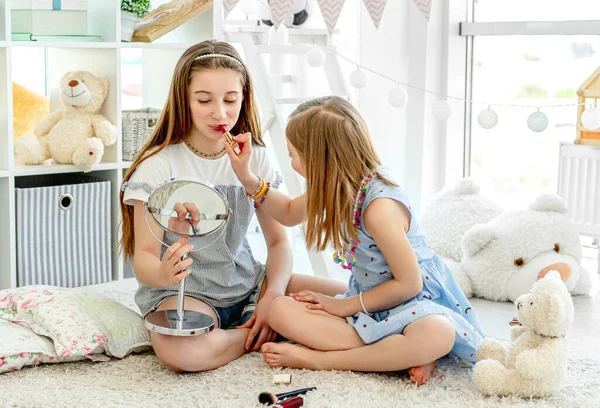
(225, 272)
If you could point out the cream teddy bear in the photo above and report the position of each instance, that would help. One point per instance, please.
(535, 364)
(75, 134)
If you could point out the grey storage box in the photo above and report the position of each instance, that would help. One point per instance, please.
(63, 230)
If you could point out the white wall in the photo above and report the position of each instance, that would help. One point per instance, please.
(415, 51)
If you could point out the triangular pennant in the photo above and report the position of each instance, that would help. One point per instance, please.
(228, 5)
(279, 8)
(375, 9)
(424, 6)
(331, 10)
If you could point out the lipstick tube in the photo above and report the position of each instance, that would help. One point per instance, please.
(293, 402)
(229, 139)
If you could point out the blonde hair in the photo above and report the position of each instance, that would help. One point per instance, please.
(175, 122)
(337, 152)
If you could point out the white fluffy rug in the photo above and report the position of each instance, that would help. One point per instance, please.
(141, 381)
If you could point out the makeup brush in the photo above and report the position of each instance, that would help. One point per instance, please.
(268, 398)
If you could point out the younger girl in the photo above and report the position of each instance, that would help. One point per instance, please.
(404, 308)
(211, 88)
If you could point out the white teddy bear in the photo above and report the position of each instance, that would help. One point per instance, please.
(450, 214)
(75, 134)
(535, 364)
(503, 258)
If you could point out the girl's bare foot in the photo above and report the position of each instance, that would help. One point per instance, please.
(288, 355)
(421, 374)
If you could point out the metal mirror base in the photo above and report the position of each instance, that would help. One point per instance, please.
(192, 323)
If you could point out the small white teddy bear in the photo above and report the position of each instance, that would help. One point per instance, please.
(75, 134)
(535, 364)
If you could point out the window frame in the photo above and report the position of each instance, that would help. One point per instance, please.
(469, 29)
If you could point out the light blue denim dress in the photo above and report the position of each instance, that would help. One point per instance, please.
(440, 295)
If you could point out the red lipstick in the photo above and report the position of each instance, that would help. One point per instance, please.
(293, 402)
(229, 139)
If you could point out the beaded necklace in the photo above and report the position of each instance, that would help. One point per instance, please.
(199, 153)
(341, 257)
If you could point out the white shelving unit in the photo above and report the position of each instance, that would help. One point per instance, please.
(105, 58)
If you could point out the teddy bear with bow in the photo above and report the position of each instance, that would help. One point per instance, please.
(535, 363)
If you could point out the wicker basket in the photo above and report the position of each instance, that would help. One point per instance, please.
(138, 126)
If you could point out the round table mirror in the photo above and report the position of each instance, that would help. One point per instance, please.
(206, 212)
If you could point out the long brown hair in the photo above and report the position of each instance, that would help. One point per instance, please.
(334, 143)
(175, 122)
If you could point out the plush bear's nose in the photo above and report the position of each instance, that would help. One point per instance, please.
(561, 267)
(73, 83)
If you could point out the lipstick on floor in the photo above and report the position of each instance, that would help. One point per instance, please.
(293, 402)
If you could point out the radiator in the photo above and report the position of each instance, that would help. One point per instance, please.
(579, 185)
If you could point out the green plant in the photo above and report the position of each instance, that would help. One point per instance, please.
(530, 91)
(531, 58)
(566, 93)
(137, 7)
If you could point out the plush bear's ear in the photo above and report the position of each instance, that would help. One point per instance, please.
(466, 186)
(476, 238)
(555, 309)
(549, 203)
(104, 82)
(66, 74)
(554, 275)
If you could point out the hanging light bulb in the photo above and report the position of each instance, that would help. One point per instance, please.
(248, 7)
(537, 121)
(487, 118)
(442, 110)
(590, 118)
(397, 97)
(358, 78)
(315, 57)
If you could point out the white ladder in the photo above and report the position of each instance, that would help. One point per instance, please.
(253, 38)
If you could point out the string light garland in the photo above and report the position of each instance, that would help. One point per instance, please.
(442, 110)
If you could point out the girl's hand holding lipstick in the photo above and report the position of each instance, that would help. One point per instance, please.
(240, 162)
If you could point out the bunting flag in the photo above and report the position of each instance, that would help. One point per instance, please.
(424, 6)
(279, 8)
(331, 10)
(375, 9)
(228, 5)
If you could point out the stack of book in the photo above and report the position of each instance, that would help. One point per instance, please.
(48, 18)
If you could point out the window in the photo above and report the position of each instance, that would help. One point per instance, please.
(533, 64)
(29, 68)
(535, 10)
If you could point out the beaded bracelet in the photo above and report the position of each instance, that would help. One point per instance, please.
(264, 196)
(363, 304)
(260, 186)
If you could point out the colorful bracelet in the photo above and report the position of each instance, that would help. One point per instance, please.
(260, 186)
(263, 188)
(264, 196)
